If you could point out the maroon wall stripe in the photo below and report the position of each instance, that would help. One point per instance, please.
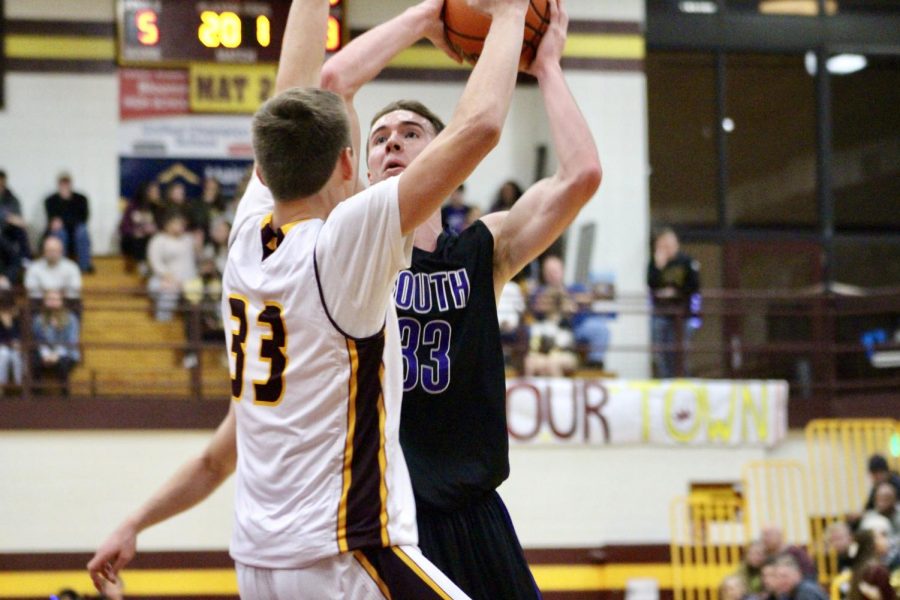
(47, 65)
(76, 28)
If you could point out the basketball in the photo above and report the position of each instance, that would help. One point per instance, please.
(465, 29)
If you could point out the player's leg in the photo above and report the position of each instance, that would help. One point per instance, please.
(477, 548)
(338, 576)
(403, 573)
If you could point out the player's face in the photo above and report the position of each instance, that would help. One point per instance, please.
(395, 141)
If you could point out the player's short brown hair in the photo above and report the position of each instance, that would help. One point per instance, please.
(413, 106)
(298, 137)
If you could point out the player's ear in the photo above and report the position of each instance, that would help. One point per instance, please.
(346, 160)
(259, 174)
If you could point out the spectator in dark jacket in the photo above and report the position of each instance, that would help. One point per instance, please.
(790, 583)
(67, 217)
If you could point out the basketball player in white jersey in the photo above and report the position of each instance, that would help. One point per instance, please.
(323, 505)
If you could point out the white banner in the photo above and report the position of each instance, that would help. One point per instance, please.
(186, 136)
(685, 412)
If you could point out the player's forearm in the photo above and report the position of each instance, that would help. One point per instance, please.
(485, 101)
(193, 482)
(579, 165)
(303, 45)
(367, 55)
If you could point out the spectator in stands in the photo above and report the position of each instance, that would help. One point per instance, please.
(10, 341)
(773, 541)
(750, 570)
(138, 225)
(67, 217)
(674, 281)
(13, 230)
(175, 201)
(55, 333)
(171, 255)
(216, 247)
(881, 527)
(768, 576)
(789, 581)
(509, 192)
(456, 215)
(552, 349)
(839, 538)
(886, 505)
(53, 271)
(203, 319)
(510, 314)
(208, 207)
(871, 578)
(733, 587)
(881, 473)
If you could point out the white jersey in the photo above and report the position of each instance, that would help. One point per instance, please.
(317, 380)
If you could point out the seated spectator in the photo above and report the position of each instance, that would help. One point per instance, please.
(138, 225)
(750, 570)
(10, 341)
(510, 314)
(13, 230)
(790, 583)
(456, 215)
(509, 192)
(885, 504)
(774, 544)
(172, 258)
(881, 473)
(769, 578)
(53, 271)
(208, 207)
(203, 296)
(881, 527)
(551, 340)
(67, 217)
(175, 201)
(216, 246)
(55, 334)
(871, 578)
(839, 538)
(733, 587)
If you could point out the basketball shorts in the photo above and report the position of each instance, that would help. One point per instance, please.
(397, 572)
(477, 547)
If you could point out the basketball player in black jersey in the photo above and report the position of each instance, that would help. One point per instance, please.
(453, 422)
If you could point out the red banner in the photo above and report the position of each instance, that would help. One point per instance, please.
(153, 93)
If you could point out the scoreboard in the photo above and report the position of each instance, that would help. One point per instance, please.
(180, 32)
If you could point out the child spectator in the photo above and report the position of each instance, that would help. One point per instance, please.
(55, 332)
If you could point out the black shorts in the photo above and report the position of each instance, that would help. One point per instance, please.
(478, 549)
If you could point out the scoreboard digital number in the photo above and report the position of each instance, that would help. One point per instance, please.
(179, 32)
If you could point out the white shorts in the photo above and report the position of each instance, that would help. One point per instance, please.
(395, 573)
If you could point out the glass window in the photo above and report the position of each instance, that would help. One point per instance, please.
(802, 8)
(866, 146)
(707, 360)
(681, 95)
(870, 6)
(771, 110)
(867, 263)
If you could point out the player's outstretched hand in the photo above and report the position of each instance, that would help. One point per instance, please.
(116, 552)
(553, 43)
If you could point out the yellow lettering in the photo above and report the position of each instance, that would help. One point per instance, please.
(148, 31)
(721, 429)
(230, 29)
(208, 34)
(333, 39)
(263, 31)
(759, 412)
(701, 403)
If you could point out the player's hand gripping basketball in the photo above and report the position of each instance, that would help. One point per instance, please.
(116, 552)
(431, 12)
(554, 41)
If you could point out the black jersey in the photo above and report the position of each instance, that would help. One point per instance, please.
(453, 420)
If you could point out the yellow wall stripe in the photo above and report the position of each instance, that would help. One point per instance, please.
(187, 582)
(60, 47)
(617, 46)
(150, 582)
(581, 45)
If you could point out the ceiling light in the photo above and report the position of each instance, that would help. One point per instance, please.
(703, 7)
(839, 64)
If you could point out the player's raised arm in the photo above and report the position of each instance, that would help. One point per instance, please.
(475, 127)
(303, 46)
(193, 482)
(547, 208)
(367, 55)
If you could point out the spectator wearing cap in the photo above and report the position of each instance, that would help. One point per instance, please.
(53, 271)
(67, 216)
